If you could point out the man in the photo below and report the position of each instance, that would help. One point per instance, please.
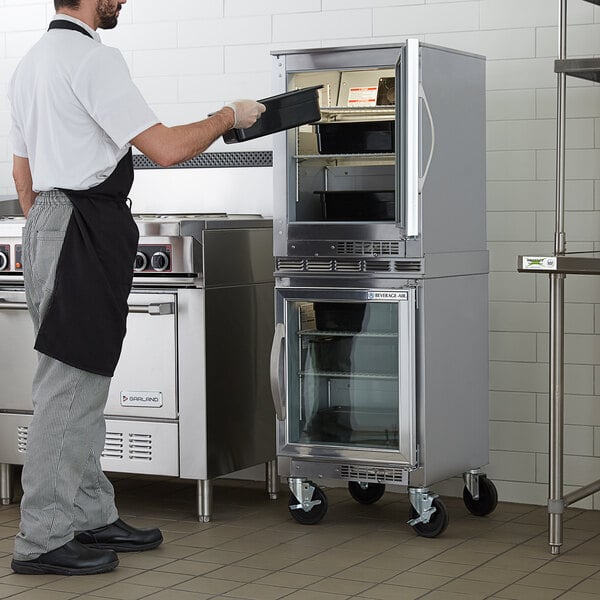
(75, 115)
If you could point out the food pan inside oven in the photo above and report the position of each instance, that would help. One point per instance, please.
(356, 137)
(358, 205)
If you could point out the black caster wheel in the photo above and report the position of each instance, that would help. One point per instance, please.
(487, 501)
(367, 493)
(437, 523)
(315, 514)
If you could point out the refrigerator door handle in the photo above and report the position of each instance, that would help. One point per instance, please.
(423, 177)
(277, 385)
(411, 102)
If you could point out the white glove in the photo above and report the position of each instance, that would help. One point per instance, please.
(246, 112)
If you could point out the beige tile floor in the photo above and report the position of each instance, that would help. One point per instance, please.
(253, 550)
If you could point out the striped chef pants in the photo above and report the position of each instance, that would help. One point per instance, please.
(64, 488)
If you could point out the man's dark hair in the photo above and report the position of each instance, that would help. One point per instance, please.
(66, 4)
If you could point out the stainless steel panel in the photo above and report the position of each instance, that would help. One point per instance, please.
(192, 387)
(377, 473)
(453, 198)
(130, 447)
(339, 58)
(453, 404)
(145, 447)
(238, 257)
(453, 264)
(186, 253)
(240, 416)
(145, 381)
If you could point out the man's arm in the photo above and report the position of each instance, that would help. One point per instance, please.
(23, 183)
(168, 146)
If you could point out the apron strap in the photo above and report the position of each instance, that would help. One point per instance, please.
(60, 24)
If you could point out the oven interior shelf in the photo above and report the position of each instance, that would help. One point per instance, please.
(315, 333)
(335, 114)
(348, 375)
(371, 157)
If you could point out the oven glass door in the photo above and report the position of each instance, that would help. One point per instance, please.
(343, 168)
(350, 374)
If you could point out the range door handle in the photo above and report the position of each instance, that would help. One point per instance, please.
(154, 310)
(164, 308)
(277, 375)
(10, 305)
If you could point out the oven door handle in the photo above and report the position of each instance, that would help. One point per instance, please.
(10, 305)
(155, 310)
(277, 376)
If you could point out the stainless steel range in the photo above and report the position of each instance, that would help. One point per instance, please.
(196, 353)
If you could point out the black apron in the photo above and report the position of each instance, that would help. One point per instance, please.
(85, 322)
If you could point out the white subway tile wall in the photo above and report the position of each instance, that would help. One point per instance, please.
(190, 56)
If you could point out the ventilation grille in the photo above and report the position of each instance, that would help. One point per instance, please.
(320, 265)
(212, 160)
(136, 446)
(369, 248)
(347, 265)
(410, 266)
(290, 264)
(374, 474)
(22, 439)
(140, 446)
(114, 445)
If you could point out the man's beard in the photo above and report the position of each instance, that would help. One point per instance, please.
(107, 15)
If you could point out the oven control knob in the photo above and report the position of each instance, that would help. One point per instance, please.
(159, 261)
(140, 262)
(3, 261)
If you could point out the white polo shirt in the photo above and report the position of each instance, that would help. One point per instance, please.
(74, 109)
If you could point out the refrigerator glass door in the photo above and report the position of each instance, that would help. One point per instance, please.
(350, 374)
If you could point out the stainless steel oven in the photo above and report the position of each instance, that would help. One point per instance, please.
(200, 310)
(379, 363)
(398, 155)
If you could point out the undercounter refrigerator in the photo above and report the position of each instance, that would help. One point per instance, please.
(379, 363)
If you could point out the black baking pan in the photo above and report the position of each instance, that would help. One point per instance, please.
(358, 205)
(284, 111)
(355, 137)
(339, 316)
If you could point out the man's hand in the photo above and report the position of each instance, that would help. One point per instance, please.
(246, 112)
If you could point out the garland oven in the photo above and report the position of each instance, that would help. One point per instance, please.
(200, 309)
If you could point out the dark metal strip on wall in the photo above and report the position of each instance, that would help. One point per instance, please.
(213, 160)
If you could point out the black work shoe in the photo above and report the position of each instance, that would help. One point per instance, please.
(71, 559)
(120, 537)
